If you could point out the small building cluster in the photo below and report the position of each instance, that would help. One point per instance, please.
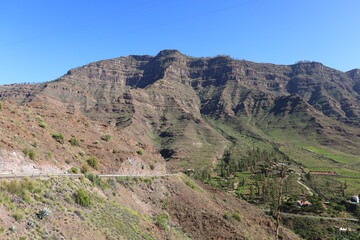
(303, 202)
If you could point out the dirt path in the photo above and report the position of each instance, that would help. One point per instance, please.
(302, 184)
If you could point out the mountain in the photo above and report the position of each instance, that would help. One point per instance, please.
(148, 115)
(181, 105)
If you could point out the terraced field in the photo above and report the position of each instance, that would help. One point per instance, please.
(340, 171)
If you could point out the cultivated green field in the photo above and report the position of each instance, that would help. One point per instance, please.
(334, 155)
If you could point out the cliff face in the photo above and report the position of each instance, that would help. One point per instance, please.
(166, 101)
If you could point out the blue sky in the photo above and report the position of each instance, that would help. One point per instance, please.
(40, 39)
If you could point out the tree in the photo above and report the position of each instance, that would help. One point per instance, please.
(282, 176)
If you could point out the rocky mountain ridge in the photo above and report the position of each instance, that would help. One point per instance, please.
(165, 100)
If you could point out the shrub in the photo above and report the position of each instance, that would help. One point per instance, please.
(162, 220)
(93, 162)
(115, 151)
(59, 137)
(84, 168)
(227, 216)
(27, 184)
(140, 152)
(74, 142)
(42, 124)
(1, 105)
(106, 138)
(18, 216)
(82, 197)
(96, 180)
(152, 167)
(74, 170)
(190, 184)
(237, 217)
(29, 153)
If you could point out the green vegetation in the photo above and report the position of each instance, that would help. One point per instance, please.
(227, 216)
(42, 124)
(319, 229)
(1, 105)
(74, 142)
(140, 152)
(93, 162)
(237, 216)
(29, 153)
(82, 197)
(84, 168)
(59, 137)
(96, 180)
(18, 216)
(334, 155)
(20, 188)
(191, 184)
(106, 138)
(340, 171)
(162, 221)
(74, 170)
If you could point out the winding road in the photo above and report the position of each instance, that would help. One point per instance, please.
(318, 217)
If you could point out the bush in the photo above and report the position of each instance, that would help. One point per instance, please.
(42, 124)
(93, 162)
(152, 167)
(18, 216)
(227, 216)
(74, 142)
(140, 152)
(190, 184)
(162, 220)
(74, 170)
(29, 153)
(237, 217)
(106, 138)
(96, 180)
(59, 137)
(84, 168)
(1, 105)
(82, 197)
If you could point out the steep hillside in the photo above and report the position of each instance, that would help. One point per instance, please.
(42, 137)
(177, 104)
(172, 207)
